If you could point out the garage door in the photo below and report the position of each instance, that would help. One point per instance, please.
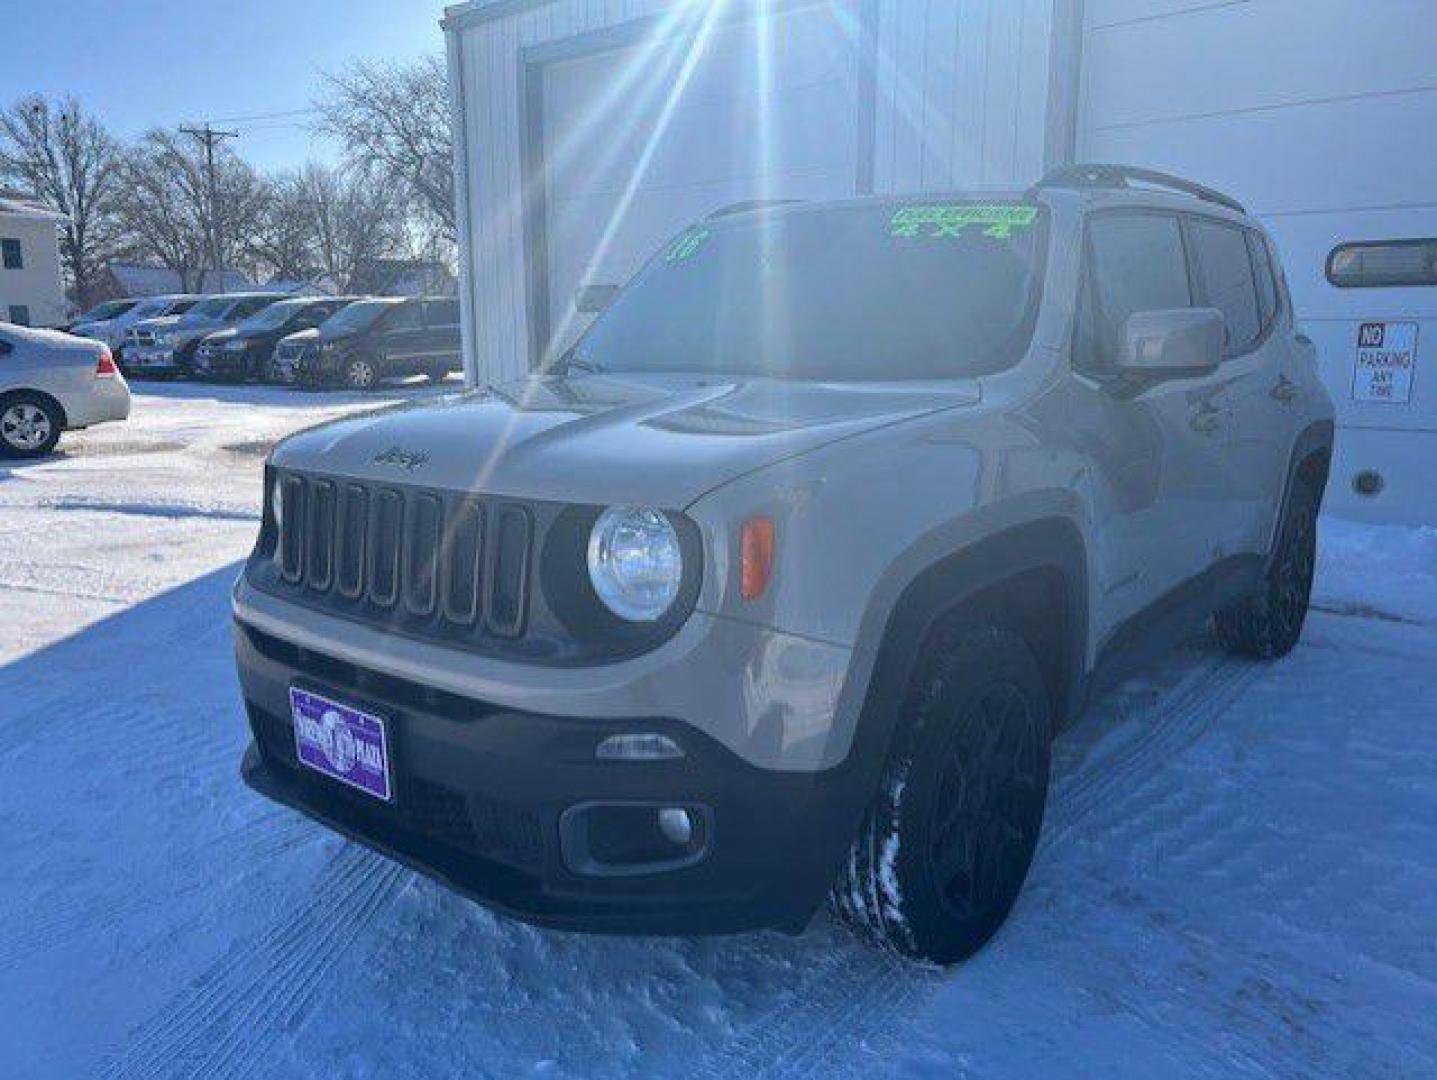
(641, 140)
(1318, 114)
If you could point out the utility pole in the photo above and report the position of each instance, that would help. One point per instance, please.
(207, 137)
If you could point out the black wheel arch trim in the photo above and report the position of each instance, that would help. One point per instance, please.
(951, 567)
(1315, 442)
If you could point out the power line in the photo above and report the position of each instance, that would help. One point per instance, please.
(284, 114)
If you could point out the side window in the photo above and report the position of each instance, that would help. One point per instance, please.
(1226, 270)
(405, 317)
(1136, 262)
(1266, 282)
(441, 312)
(11, 257)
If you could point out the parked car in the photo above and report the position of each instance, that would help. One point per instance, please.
(52, 382)
(385, 338)
(778, 584)
(292, 355)
(244, 351)
(112, 330)
(101, 313)
(167, 346)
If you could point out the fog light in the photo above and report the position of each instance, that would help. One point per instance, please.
(643, 747)
(677, 825)
(632, 839)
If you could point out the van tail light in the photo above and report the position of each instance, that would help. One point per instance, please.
(757, 550)
(106, 368)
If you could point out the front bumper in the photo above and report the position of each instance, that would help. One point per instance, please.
(481, 792)
(150, 360)
(222, 365)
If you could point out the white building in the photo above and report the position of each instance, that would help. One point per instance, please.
(591, 130)
(32, 291)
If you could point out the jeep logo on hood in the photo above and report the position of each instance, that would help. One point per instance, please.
(408, 460)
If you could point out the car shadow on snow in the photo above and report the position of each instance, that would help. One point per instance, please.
(413, 389)
(195, 920)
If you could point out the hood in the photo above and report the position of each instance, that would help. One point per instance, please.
(95, 330)
(301, 337)
(191, 322)
(219, 337)
(652, 440)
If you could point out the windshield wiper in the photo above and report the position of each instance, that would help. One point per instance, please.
(572, 361)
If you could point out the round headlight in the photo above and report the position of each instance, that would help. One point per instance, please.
(635, 563)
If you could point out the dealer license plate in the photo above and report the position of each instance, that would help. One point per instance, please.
(342, 743)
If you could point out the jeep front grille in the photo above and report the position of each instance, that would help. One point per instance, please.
(446, 561)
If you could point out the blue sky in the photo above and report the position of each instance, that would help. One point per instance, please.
(161, 63)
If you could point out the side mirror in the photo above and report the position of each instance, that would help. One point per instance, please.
(1184, 342)
(594, 299)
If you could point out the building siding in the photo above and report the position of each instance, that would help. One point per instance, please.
(38, 286)
(962, 98)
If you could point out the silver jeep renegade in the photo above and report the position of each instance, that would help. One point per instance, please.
(778, 584)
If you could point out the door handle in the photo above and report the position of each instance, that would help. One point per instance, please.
(1285, 390)
(1207, 419)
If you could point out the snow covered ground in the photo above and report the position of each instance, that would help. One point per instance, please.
(1239, 875)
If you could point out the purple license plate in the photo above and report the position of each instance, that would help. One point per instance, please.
(341, 742)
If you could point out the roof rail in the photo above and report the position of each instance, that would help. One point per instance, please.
(749, 206)
(1126, 176)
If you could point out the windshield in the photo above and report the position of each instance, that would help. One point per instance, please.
(273, 317)
(107, 310)
(212, 308)
(926, 291)
(179, 307)
(357, 316)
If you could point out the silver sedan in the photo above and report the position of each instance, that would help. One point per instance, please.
(50, 383)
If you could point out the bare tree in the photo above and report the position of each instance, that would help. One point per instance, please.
(354, 219)
(394, 121)
(168, 209)
(68, 161)
(283, 240)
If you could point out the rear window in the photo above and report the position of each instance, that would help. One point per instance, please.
(1226, 268)
(1384, 264)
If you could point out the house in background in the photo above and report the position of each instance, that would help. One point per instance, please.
(32, 291)
(125, 279)
(403, 277)
(315, 285)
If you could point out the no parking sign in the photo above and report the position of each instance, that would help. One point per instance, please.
(1386, 356)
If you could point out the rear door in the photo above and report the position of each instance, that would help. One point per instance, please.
(402, 336)
(441, 334)
(1253, 399)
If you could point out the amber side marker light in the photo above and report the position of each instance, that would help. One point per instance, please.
(757, 556)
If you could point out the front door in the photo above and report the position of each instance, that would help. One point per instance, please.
(1156, 452)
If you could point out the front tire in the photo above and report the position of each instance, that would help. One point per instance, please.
(945, 849)
(30, 426)
(1267, 624)
(361, 374)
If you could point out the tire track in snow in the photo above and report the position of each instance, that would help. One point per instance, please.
(87, 913)
(220, 1025)
(852, 1012)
